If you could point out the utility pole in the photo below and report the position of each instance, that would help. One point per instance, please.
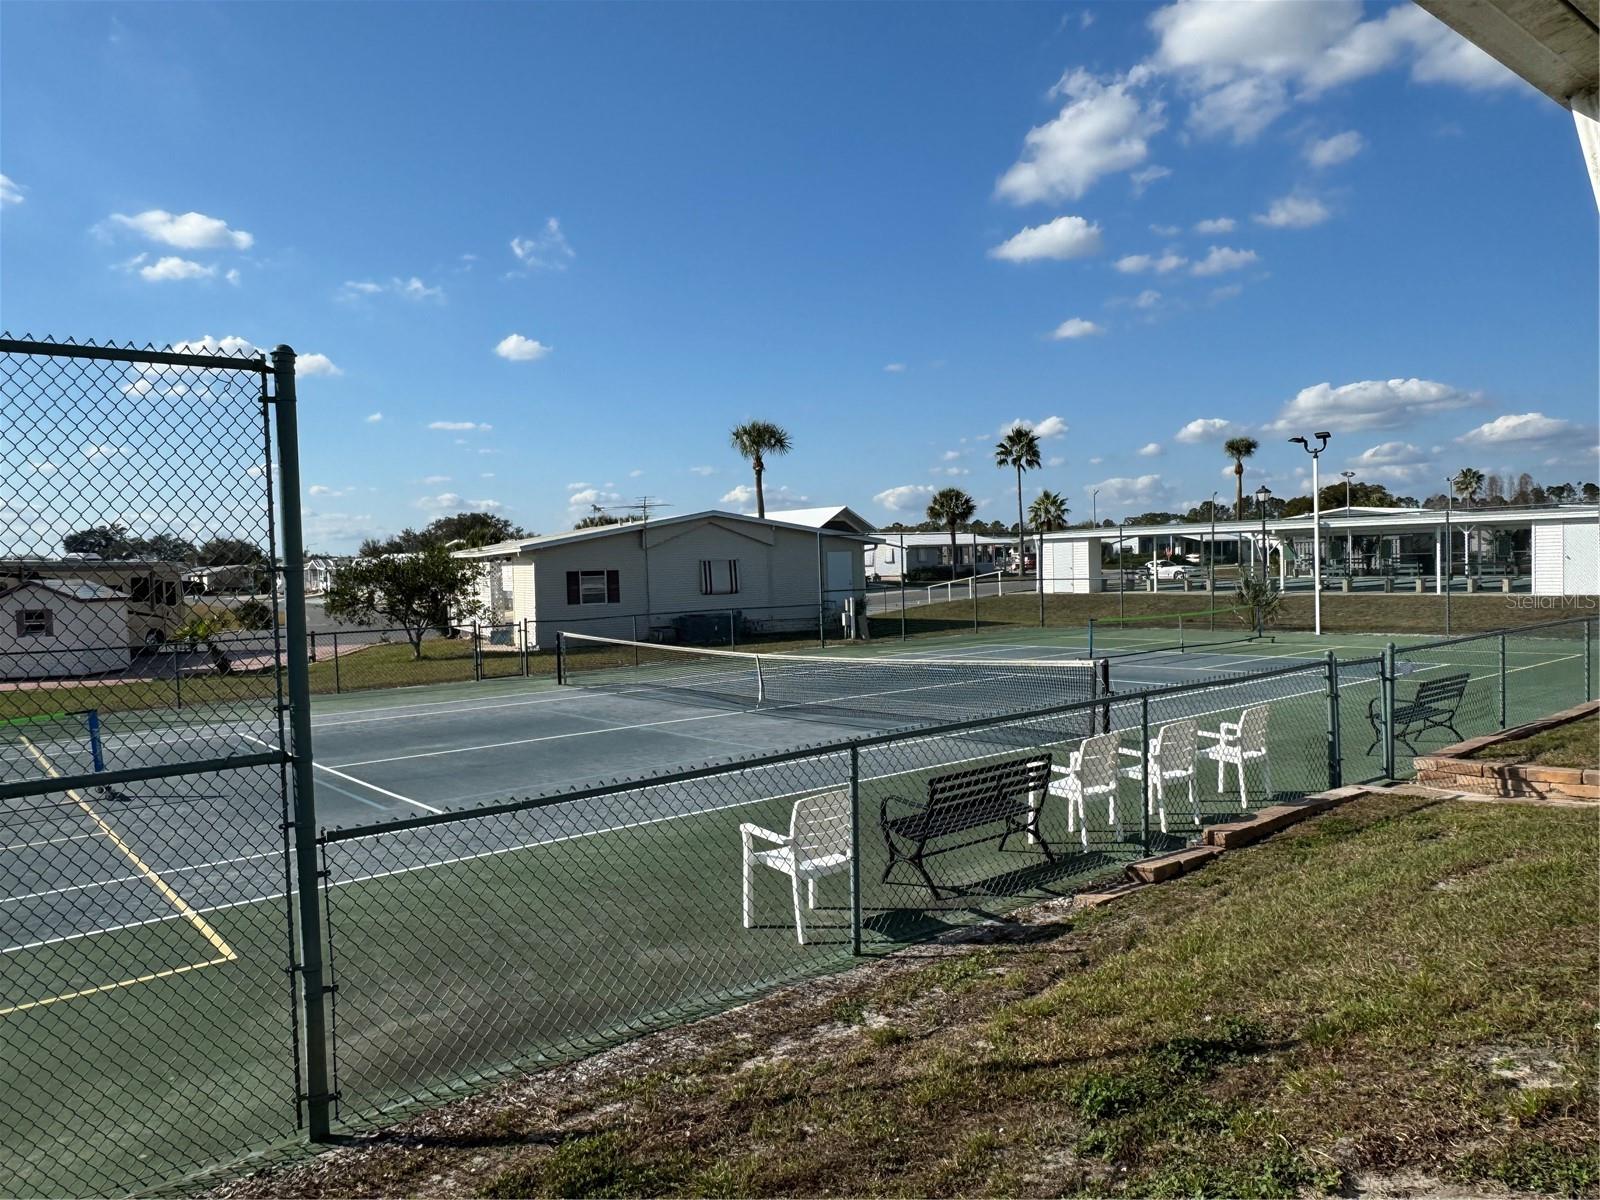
(1316, 525)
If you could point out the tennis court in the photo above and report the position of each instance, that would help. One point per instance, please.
(466, 933)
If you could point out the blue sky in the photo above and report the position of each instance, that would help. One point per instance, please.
(563, 249)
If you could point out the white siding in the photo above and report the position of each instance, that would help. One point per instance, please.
(1581, 576)
(1549, 555)
(86, 638)
(1071, 567)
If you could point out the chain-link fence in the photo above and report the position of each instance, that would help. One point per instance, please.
(148, 1022)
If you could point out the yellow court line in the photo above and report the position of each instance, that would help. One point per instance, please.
(111, 987)
(225, 952)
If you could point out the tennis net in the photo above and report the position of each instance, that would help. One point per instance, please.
(901, 691)
(1166, 633)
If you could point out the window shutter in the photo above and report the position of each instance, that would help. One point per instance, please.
(572, 588)
(705, 577)
(613, 587)
(733, 576)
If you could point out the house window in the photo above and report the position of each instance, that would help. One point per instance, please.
(719, 576)
(169, 592)
(594, 587)
(36, 622)
(139, 589)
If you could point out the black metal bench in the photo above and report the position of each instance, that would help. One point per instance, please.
(1008, 794)
(1432, 706)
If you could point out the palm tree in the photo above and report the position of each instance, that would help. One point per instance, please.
(1239, 449)
(1018, 449)
(1048, 512)
(952, 508)
(1467, 481)
(755, 440)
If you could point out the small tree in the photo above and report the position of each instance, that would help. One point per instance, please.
(1239, 449)
(253, 614)
(1019, 450)
(952, 508)
(104, 541)
(755, 440)
(1256, 602)
(416, 592)
(1048, 512)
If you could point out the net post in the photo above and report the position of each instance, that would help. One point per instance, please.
(561, 657)
(1386, 709)
(1091, 637)
(1144, 772)
(855, 850)
(307, 869)
(733, 637)
(522, 634)
(336, 682)
(477, 655)
(1502, 640)
(1335, 751)
(761, 682)
(1182, 645)
(311, 651)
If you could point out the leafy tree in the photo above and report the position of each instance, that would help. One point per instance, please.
(230, 552)
(1591, 493)
(163, 547)
(1467, 482)
(951, 508)
(1019, 450)
(755, 440)
(1048, 512)
(1208, 510)
(1239, 449)
(472, 529)
(253, 614)
(1562, 493)
(106, 541)
(417, 592)
(595, 520)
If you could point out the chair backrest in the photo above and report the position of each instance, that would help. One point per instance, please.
(1098, 767)
(819, 827)
(1253, 728)
(1431, 691)
(1176, 745)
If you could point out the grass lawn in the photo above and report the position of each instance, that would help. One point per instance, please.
(1400, 990)
(1575, 744)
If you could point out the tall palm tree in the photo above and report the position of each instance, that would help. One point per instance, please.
(952, 508)
(755, 440)
(1239, 449)
(1048, 512)
(1018, 449)
(1467, 481)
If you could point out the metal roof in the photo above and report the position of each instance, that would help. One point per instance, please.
(516, 546)
(1396, 520)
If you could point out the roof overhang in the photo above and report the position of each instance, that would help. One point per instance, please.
(1549, 43)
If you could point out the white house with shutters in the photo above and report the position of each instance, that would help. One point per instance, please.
(700, 578)
(62, 628)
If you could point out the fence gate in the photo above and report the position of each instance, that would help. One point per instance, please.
(148, 976)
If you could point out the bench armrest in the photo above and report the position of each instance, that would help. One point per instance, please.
(1130, 753)
(748, 831)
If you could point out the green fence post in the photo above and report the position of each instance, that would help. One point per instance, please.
(1090, 651)
(1335, 753)
(1144, 771)
(177, 674)
(561, 658)
(1386, 708)
(335, 662)
(855, 849)
(1502, 640)
(522, 635)
(477, 655)
(317, 1096)
(311, 655)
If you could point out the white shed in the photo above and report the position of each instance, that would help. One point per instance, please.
(62, 628)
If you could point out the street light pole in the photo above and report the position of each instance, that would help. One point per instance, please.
(1211, 561)
(1316, 526)
(1094, 508)
(1263, 494)
(1349, 533)
(1448, 485)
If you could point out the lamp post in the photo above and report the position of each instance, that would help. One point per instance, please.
(1449, 485)
(1094, 508)
(1349, 533)
(1316, 526)
(1211, 561)
(1263, 494)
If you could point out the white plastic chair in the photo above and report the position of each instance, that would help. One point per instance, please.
(1238, 743)
(1172, 758)
(1091, 771)
(817, 845)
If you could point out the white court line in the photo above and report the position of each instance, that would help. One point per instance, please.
(169, 871)
(360, 782)
(75, 837)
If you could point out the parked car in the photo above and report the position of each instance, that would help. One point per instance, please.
(1171, 570)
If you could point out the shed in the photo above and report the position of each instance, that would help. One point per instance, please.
(62, 628)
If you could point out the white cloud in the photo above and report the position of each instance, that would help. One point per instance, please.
(517, 348)
(435, 479)
(1148, 298)
(1216, 225)
(1096, 461)
(1331, 151)
(894, 368)
(906, 498)
(362, 287)
(635, 473)
(1204, 429)
(374, 418)
(1101, 129)
(1145, 176)
(171, 267)
(951, 455)
(1055, 460)
(1393, 462)
(1150, 450)
(315, 364)
(415, 289)
(744, 497)
(1165, 230)
(1131, 492)
(460, 425)
(487, 475)
(952, 471)
(547, 250)
(1134, 264)
(1369, 404)
(189, 231)
(1063, 238)
(1076, 327)
(232, 276)
(322, 489)
(43, 468)
(577, 487)
(441, 502)
(702, 471)
(10, 191)
(1050, 427)
(1226, 292)
(1223, 258)
(408, 289)
(1241, 109)
(1294, 212)
(1518, 427)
